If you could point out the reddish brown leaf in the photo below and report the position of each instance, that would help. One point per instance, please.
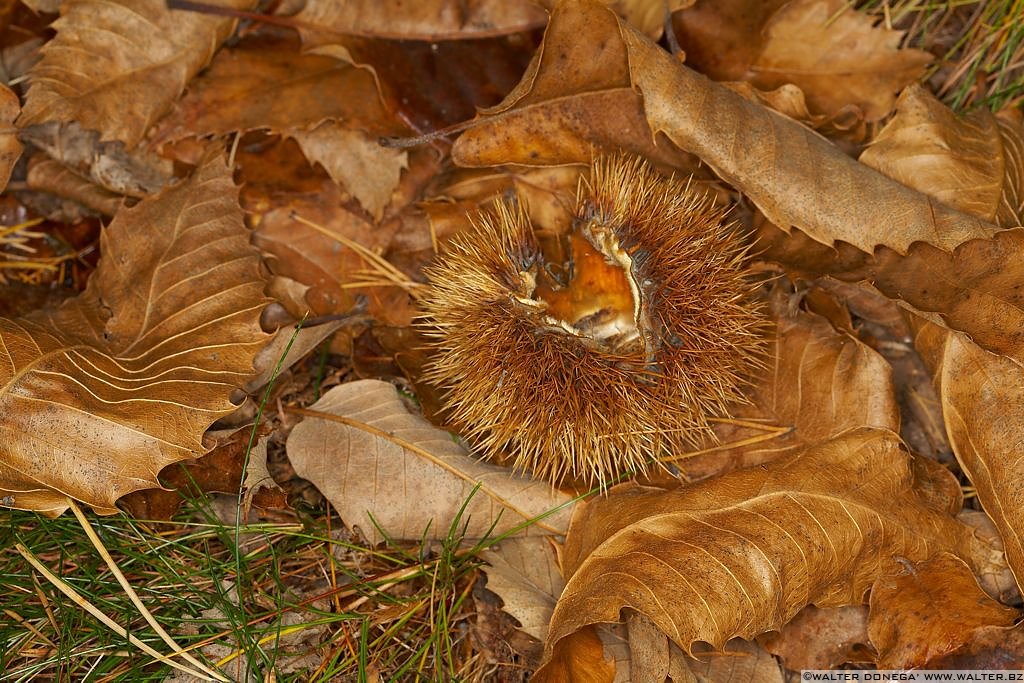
(929, 610)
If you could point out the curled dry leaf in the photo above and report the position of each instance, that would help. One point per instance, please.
(812, 185)
(928, 610)
(433, 20)
(743, 553)
(381, 462)
(837, 56)
(968, 162)
(10, 148)
(48, 175)
(101, 393)
(820, 383)
(982, 397)
(108, 164)
(332, 109)
(116, 65)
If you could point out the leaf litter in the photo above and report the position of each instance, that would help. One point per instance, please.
(869, 201)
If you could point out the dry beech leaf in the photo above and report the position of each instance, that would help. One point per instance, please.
(386, 462)
(108, 164)
(48, 175)
(432, 20)
(837, 56)
(332, 109)
(103, 392)
(820, 383)
(116, 65)
(743, 553)
(10, 148)
(819, 638)
(266, 83)
(964, 162)
(929, 610)
(982, 397)
(524, 573)
(742, 661)
(355, 161)
(796, 177)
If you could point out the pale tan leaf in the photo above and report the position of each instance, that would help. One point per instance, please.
(355, 161)
(524, 573)
(116, 65)
(959, 161)
(387, 463)
(10, 147)
(742, 554)
(103, 392)
(928, 610)
(837, 56)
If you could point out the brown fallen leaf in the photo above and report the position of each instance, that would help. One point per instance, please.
(524, 573)
(821, 382)
(355, 161)
(103, 392)
(48, 175)
(812, 185)
(928, 610)
(116, 66)
(332, 109)
(108, 164)
(431, 20)
(10, 147)
(819, 638)
(380, 462)
(982, 397)
(722, 38)
(838, 56)
(757, 545)
(968, 163)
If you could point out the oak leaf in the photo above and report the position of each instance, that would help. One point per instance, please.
(100, 394)
(523, 572)
(382, 465)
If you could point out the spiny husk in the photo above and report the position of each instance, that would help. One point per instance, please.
(566, 406)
